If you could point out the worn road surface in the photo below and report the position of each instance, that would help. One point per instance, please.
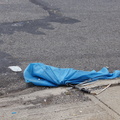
(81, 34)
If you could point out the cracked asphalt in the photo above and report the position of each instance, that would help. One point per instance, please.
(80, 34)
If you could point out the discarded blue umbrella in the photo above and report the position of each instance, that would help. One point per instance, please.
(44, 75)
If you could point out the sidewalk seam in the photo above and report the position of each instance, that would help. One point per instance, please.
(107, 105)
(108, 109)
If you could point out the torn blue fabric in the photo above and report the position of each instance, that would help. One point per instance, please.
(44, 75)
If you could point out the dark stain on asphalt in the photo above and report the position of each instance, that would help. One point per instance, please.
(55, 14)
(29, 26)
(32, 26)
(6, 60)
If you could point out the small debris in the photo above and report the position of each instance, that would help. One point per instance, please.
(68, 93)
(103, 89)
(14, 112)
(17, 24)
(45, 100)
(15, 68)
(69, 88)
(74, 115)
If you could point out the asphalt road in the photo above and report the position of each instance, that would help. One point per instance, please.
(80, 34)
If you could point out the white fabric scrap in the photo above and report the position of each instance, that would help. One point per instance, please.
(15, 68)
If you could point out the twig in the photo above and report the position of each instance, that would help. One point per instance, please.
(102, 90)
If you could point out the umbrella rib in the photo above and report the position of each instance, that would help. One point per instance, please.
(50, 77)
(54, 73)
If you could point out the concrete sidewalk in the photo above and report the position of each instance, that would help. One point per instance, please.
(37, 106)
(109, 100)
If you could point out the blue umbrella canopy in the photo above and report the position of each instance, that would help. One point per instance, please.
(44, 75)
